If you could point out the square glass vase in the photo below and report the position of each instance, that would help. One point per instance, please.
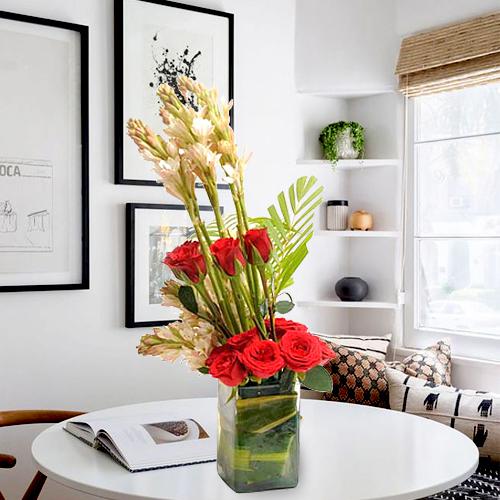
(258, 435)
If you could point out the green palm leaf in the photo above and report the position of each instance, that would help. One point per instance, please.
(290, 227)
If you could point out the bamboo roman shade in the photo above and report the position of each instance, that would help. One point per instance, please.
(456, 56)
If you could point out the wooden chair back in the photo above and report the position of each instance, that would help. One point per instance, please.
(23, 417)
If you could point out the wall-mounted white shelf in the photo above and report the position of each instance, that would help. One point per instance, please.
(352, 164)
(357, 234)
(339, 93)
(365, 304)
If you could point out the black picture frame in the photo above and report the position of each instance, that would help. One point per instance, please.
(130, 266)
(83, 31)
(119, 91)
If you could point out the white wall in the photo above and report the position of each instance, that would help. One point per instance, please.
(354, 44)
(70, 349)
(346, 44)
(434, 13)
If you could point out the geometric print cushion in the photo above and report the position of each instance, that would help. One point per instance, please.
(357, 378)
(432, 364)
(474, 413)
(374, 346)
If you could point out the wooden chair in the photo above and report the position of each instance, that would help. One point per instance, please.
(22, 417)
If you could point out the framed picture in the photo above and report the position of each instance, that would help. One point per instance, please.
(152, 230)
(44, 205)
(155, 42)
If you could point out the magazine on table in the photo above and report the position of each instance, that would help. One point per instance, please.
(149, 441)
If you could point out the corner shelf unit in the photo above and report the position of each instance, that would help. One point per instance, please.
(373, 184)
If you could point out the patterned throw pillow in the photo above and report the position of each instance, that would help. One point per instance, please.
(374, 346)
(475, 413)
(432, 364)
(357, 378)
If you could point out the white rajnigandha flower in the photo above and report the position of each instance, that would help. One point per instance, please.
(172, 149)
(168, 171)
(179, 131)
(170, 294)
(204, 162)
(190, 338)
(201, 338)
(162, 343)
(203, 128)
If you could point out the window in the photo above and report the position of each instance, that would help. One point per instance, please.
(455, 228)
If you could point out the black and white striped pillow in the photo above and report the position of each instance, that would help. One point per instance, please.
(372, 346)
(474, 413)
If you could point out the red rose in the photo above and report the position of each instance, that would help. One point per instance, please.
(262, 358)
(326, 352)
(282, 325)
(224, 364)
(240, 341)
(187, 260)
(301, 351)
(227, 252)
(257, 246)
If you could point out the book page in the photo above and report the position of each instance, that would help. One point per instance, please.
(170, 440)
(158, 439)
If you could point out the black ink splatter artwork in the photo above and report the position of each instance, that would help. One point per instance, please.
(169, 66)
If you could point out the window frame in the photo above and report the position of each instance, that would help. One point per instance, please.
(474, 345)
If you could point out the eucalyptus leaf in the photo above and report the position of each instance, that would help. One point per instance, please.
(188, 299)
(284, 306)
(318, 379)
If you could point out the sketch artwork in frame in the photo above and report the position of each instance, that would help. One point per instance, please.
(152, 230)
(155, 42)
(44, 220)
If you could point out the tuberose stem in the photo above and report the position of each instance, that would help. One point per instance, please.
(215, 278)
(269, 300)
(214, 309)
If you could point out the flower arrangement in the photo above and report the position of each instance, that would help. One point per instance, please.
(230, 277)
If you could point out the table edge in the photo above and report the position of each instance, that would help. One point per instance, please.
(112, 495)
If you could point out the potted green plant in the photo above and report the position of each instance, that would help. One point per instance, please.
(342, 140)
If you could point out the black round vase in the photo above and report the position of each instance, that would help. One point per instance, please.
(351, 289)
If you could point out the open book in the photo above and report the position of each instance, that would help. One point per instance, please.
(152, 441)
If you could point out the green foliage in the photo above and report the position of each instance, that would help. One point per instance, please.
(284, 306)
(318, 379)
(290, 227)
(188, 299)
(329, 135)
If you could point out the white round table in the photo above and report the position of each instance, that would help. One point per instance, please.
(348, 452)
